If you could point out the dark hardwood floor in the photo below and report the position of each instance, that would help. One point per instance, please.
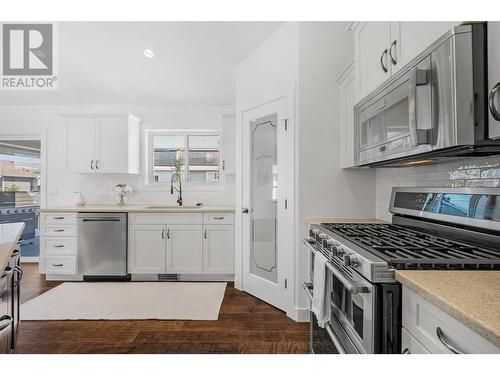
(245, 325)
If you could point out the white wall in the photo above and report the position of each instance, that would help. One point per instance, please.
(21, 120)
(270, 72)
(324, 189)
(303, 61)
(467, 172)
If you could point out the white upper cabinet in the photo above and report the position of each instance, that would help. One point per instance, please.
(102, 144)
(228, 125)
(371, 56)
(81, 147)
(411, 38)
(346, 85)
(382, 48)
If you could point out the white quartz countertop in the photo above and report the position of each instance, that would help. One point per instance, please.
(137, 208)
(9, 235)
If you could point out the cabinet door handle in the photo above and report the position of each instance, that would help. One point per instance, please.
(163, 234)
(441, 338)
(384, 68)
(97, 164)
(393, 58)
(58, 217)
(92, 165)
(57, 264)
(168, 233)
(58, 246)
(218, 217)
(205, 235)
(58, 230)
(491, 102)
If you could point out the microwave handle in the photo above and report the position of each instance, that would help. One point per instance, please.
(418, 77)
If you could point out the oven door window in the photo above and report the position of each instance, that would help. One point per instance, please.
(357, 316)
(350, 306)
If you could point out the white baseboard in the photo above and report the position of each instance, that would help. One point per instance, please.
(30, 259)
(299, 314)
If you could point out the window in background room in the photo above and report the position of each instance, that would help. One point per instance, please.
(20, 190)
(194, 156)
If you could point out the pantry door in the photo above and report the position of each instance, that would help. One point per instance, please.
(266, 249)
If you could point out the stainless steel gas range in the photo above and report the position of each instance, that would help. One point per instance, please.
(434, 228)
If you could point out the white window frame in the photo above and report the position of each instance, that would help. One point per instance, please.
(148, 181)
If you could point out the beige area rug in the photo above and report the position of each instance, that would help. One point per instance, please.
(127, 301)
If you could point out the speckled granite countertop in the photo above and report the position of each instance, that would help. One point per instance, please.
(9, 235)
(133, 208)
(336, 220)
(471, 297)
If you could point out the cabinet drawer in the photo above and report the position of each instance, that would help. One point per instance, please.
(59, 265)
(410, 345)
(58, 230)
(217, 218)
(423, 320)
(168, 218)
(58, 246)
(58, 218)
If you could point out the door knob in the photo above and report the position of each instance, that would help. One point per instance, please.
(244, 210)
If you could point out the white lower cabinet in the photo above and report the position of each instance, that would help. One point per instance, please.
(147, 249)
(190, 245)
(410, 345)
(436, 331)
(58, 243)
(63, 265)
(218, 249)
(184, 249)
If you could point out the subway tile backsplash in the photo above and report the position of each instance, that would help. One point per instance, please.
(469, 172)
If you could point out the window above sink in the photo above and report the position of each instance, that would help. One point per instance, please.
(194, 155)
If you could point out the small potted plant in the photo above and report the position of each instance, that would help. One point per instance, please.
(123, 191)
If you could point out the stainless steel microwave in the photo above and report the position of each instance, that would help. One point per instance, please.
(433, 107)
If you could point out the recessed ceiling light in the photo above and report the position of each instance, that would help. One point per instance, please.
(149, 53)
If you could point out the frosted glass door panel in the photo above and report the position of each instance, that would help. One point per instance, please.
(263, 252)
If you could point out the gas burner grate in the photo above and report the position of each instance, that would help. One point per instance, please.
(405, 248)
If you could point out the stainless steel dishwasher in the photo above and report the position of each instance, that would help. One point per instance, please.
(102, 246)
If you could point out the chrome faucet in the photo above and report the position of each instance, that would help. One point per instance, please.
(172, 187)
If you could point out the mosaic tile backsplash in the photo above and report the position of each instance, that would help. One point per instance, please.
(468, 172)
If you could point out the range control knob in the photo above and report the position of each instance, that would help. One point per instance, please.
(330, 243)
(351, 260)
(315, 231)
(338, 250)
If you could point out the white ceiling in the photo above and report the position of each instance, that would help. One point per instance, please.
(102, 63)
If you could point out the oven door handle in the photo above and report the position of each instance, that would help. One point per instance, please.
(351, 288)
(334, 339)
(307, 288)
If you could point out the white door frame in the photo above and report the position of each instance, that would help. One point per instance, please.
(288, 191)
